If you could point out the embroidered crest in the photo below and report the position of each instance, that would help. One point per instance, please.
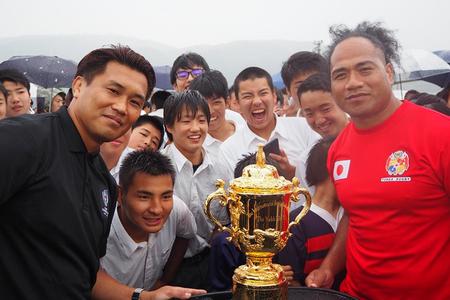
(397, 163)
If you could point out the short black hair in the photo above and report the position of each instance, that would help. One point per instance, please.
(146, 161)
(94, 63)
(159, 97)
(411, 93)
(251, 73)
(302, 63)
(146, 104)
(4, 92)
(187, 61)
(426, 99)
(316, 82)
(379, 36)
(316, 164)
(155, 121)
(193, 101)
(14, 76)
(444, 93)
(250, 159)
(211, 84)
(440, 107)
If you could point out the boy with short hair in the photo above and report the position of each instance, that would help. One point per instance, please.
(213, 86)
(19, 100)
(150, 230)
(186, 118)
(147, 133)
(297, 69)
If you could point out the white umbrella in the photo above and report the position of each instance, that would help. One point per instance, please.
(419, 64)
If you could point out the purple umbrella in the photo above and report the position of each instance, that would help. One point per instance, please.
(45, 71)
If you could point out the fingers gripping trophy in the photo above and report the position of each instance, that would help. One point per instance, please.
(258, 204)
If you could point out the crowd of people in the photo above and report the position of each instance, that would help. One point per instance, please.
(102, 198)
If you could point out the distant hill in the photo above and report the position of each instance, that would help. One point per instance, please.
(229, 58)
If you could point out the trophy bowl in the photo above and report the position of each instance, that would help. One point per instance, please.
(258, 203)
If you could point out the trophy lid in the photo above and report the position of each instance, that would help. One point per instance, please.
(261, 178)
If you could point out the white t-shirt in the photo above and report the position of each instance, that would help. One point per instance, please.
(142, 264)
(194, 188)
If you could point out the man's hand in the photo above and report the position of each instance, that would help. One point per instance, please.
(168, 292)
(320, 278)
(287, 169)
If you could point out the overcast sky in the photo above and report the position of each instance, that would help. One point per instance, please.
(419, 23)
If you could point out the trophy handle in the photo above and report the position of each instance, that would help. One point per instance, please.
(223, 200)
(295, 196)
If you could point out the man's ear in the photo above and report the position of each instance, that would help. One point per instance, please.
(77, 84)
(390, 73)
(120, 195)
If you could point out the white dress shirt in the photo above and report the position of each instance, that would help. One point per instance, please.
(212, 145)
(294, 136)
(141, 264)
(115, 170)
(329, 218)
(194, 188)
(235, 117)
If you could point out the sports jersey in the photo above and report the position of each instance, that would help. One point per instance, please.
(394, 182)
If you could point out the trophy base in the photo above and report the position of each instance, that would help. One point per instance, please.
(272, 292)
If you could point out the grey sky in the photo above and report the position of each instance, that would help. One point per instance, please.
(183, 23)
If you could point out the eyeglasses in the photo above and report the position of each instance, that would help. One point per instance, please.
(184, 74)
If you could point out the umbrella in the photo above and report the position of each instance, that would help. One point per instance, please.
(419, 64)
(444, 54)
(45, 71)
(163, 77)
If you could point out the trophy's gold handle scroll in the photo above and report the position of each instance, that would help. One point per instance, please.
(295, 196)
(223, 200)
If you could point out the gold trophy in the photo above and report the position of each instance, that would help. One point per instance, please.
(258, 203)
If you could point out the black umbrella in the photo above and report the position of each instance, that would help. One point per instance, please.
(45, 71)
(163, 77)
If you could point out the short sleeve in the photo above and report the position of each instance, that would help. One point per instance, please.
(18, 158)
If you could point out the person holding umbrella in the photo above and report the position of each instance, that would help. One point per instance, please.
(17, 85)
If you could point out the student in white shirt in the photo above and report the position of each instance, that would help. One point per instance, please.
(150, 230)
(256, 95)
(213, 87)
(321, 112)
(186, 118)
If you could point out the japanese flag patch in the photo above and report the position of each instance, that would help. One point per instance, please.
(341, 168)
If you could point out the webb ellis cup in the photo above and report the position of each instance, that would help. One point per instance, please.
(258, 204)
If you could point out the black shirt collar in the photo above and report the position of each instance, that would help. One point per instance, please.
(71, 133)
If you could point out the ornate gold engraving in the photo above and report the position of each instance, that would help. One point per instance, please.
(258, 203)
